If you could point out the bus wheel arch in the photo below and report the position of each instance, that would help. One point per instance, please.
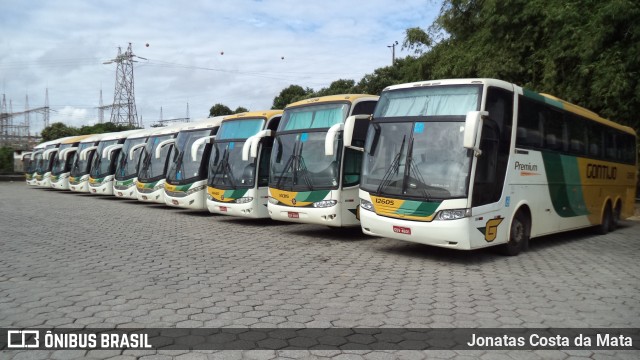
(519, 232)
(606, 219)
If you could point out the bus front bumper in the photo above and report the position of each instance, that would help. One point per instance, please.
(450, 233)
(328, 216)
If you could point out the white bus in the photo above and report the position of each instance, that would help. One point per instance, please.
(472, 163)
(45, 163)
(103, 167)
(186, 181)
(126, 176)
(313, 178)
(239, 164)
(153, 168)
(62, 162)
(30, 160)
(82, 160)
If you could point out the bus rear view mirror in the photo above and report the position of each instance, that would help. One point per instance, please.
(473, 130)
(329, 140)
(353, 124)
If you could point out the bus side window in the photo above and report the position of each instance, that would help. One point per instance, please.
(364, 108)
(491, 167)
(352, 165)
(263, 164)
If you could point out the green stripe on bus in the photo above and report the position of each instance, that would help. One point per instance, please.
(534, 95)
(565, 189)
(417, 208)
(312, 196)
(235, 194)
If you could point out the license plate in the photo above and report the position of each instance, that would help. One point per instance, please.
(402, 230)
(144, 197)
(174, 202)
(94, 190)
(223, 208)
(293, 215)
(119, 193)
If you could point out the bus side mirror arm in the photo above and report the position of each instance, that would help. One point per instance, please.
(250, 147)
(349, 126)
(22, 156)
(473, 131)
(48, 153)
(196, 144)
(330, 139)
(134, 148)
(64, 153)
(83, 153)
(163, 144)
(106, 153)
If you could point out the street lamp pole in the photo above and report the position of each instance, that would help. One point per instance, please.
(393, 52)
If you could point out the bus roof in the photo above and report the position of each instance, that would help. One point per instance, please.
(170, 129)
(205, 123)
(76, 139)
(546, 98)
(331, 98)
(268, 114)
(118, 135)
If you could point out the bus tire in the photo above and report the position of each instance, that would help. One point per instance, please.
(519, 234)
(607, 220)
(615, 217)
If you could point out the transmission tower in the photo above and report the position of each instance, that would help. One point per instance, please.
(123, 110)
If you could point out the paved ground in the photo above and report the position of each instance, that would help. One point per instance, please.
(75, 260)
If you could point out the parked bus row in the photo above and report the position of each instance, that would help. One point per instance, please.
(459, 163)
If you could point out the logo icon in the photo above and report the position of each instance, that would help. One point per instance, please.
(23, 339)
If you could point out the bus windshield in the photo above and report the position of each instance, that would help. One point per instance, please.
(424, 160)
(447, 100)
(313, 116)
(298, 162)
(239, 129)
(183, 169)
(127, 169)
(59, 165)
(43, 165)
(35, 161)
(153, 169)
(102, 166)
(226, 168)
(81, 167)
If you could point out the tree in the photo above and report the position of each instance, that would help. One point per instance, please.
(219, 110)
(416, 39)
(57, 130)
(6, 160)
(290, 94)
(337, 87)
(589, 57)
(240, 109)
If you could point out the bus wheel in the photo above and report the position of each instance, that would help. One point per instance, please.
(615, 218)
(607, 220)
(518, 236)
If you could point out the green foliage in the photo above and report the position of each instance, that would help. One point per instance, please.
(6, 160)
(58, 130)
(337, 87)
(583, 51)
(240, 109)
(416, 40)
(290, 94)
(219, 110)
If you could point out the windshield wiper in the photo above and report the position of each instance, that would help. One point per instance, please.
(302, 167)
(409, 167)
(287, 165)
(393, 168)
(224, 168)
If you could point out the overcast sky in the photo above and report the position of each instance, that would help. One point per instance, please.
(61, 45)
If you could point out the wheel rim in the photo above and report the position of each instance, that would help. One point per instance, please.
(518, 232)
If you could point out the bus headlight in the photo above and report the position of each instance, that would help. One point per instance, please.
(158, 187)
(366, 205)
(195, 189)
(243, 200)
(209, 197)
(453, 214)
(273, 200)
(324, 203)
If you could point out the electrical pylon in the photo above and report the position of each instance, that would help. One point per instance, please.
(123, 110)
